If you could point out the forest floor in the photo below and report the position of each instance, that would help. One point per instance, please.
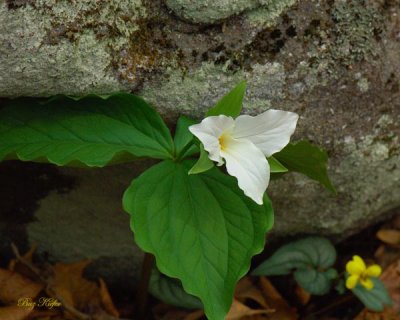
(29, 290)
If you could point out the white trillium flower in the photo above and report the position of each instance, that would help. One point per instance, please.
(244, 143)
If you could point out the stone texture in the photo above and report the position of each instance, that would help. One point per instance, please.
(63, 46)
(88, 222)
(336, 63)
(206, 11)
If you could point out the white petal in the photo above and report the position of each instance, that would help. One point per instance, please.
(248, 164)
(209, 130)
(269, 131)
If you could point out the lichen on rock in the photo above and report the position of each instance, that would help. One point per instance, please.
(357, 27)
(266, 15)
(107, 19)
(211, 11)
(355, 30)
(200, 89)
(63, 46)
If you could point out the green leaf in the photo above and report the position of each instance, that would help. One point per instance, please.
(202, 229)
(231, 103)
(184, 139)
(314, 281)
(171, 292)
(276, 166)
(93, 131)
(310, 258)
(308, 159)
(203, 164)
(309, 253)
(374, 299)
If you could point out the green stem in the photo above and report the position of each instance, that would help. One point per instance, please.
(143, 287)
(182, 153)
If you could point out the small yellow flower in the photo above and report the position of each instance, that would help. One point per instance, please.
(359, 272)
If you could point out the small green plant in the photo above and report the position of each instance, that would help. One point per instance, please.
(202, 225)
(311, 261)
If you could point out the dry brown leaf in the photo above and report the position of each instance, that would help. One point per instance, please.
(195, 315)
(44, 315)
(245, 289)
(101, 315)
(389, 252)
(106, 300)
(14, 287)
(69, 284)
(14, 263)
(22, 268)
(239, 311)
(387, 314)
(391, 279)
(283, 311)
(269, 290)
(14, 313)
(164, 311)
(302, 295)
(386, 255)
(178, 314)
(389, 236)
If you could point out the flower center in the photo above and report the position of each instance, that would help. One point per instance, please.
(364, 275)
(222, 142)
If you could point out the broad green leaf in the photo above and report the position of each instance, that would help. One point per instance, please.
(201, 228)
(314, 281)
(184, 140)
(276, 166)
(171, 291)
(312, 252)
(92, 131)
(203, 163)
(308, 159)
(231, 103)
(374, 299)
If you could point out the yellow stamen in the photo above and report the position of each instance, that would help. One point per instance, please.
(222, 142)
